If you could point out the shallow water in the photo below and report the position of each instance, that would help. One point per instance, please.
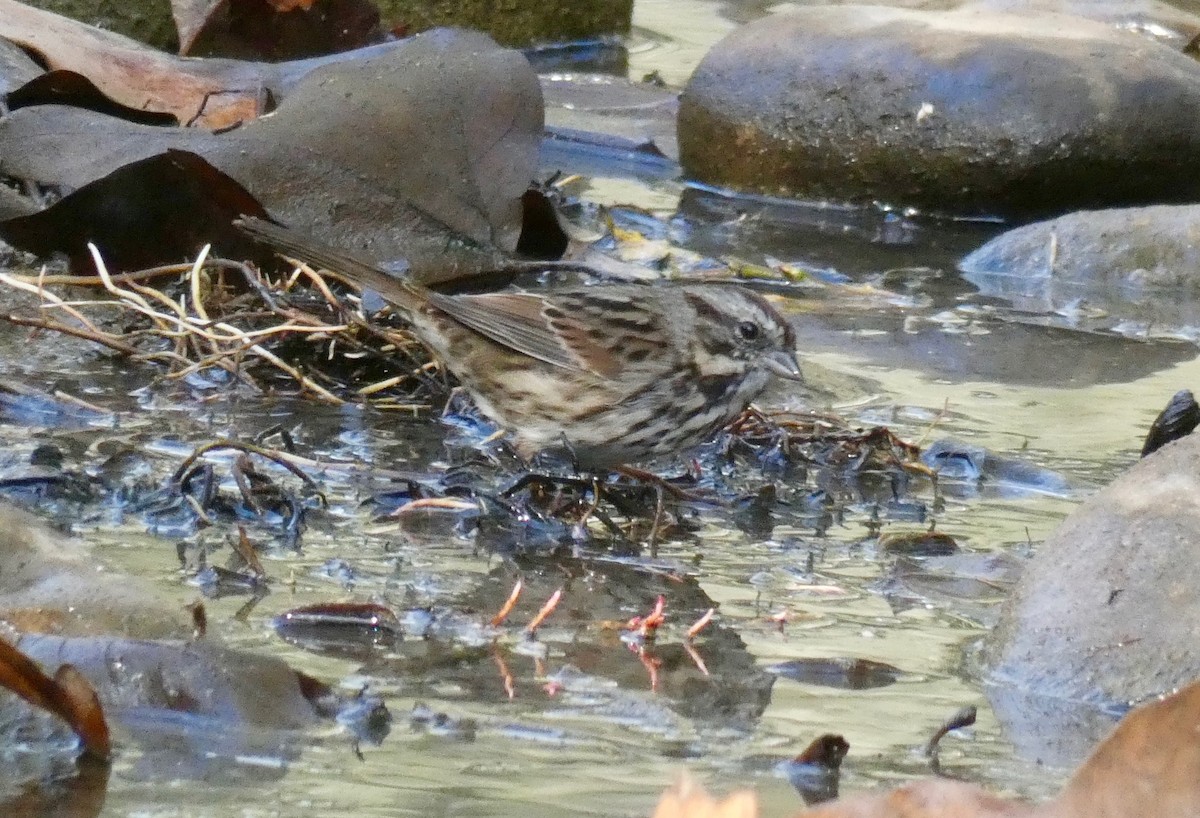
(930, 359)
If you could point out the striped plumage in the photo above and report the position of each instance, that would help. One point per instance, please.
(607, 375)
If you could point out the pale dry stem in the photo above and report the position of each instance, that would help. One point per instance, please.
(193, 335)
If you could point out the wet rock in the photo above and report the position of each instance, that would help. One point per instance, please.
(965, 469)
(1136, 248)
(1107, 610)
(1136, 265)
(1049, 729)
(965, 111)
(600, 125)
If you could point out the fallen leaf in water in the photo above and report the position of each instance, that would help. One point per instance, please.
(815, 771)
(918, 543)
(842, 672)
(340, 626)
(1178, 418)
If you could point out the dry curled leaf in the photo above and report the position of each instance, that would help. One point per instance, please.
(210, 93)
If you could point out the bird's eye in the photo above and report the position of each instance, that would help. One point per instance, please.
(748, 330)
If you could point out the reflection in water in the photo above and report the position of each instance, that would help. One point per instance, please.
(77, 795)
(983, 347)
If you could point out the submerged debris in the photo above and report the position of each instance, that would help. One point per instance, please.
(1177, 419)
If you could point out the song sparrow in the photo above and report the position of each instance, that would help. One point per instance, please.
(606, 375)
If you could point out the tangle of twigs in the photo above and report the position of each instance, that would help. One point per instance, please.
(226, 315)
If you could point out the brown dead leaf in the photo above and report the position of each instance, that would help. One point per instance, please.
(206, 93)
(340, 621)
(827, 750)
(687, 799)
(68, 695)
(446, 129)
(1149, 767)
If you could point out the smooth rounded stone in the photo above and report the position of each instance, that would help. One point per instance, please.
(965, 112)
(1107, 611)
(1126, 268)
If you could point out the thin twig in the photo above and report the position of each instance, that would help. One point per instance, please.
(270, 454)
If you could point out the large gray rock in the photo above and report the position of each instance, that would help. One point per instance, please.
(1108, 610)
(966, 111)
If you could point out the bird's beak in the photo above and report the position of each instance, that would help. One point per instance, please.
(784, 364)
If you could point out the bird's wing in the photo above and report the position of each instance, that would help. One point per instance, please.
(520, 322)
